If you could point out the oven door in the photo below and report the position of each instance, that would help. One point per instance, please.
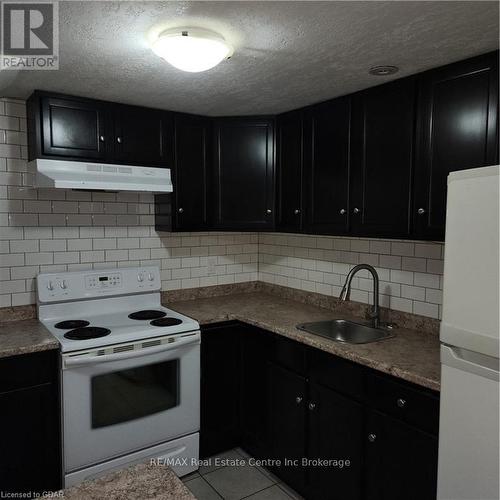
(131, 397)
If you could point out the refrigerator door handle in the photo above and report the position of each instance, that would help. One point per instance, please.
(469, 361)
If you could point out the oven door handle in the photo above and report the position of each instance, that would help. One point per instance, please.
(92, 360)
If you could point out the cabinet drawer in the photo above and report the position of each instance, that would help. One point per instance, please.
(336, 373)
(26, 370)
(290, 354)
(415, 406)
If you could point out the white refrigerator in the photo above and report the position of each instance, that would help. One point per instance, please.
(468, 466)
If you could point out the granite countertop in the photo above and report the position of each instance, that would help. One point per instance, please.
(139, 482)
(25, 336)
(410, 355)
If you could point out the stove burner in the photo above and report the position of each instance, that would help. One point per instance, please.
(71, 324)
(89, 332)
(166, 322)
(147, 314)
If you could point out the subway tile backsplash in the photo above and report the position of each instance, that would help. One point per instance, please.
(61, 230)
(410, 272)
(49, 230)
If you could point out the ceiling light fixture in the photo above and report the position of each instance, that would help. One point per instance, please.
(383, 70)
(192, 49)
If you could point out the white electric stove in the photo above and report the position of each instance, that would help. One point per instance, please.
(130, 371)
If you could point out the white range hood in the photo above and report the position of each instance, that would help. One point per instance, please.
(66, 174)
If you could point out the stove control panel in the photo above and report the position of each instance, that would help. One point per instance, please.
(62, 287)
(103, 281)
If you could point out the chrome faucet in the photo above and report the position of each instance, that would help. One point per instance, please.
(344, 294)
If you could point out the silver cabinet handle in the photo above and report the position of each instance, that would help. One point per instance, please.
(119, 140)
(102, 138)
(401, 403)
(372, 437)
(356, 210)
(180, 210)
(421, 211)
(269, 211)
(343, 211)
(312, 406)
(298, 400)
(296, 211)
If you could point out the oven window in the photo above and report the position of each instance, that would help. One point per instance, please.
(134, 393)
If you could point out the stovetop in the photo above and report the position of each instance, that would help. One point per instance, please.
(121, 327)
(84, 314)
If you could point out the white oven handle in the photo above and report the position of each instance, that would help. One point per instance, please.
(92, 360)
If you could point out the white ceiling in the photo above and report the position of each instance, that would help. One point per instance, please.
(287, 54)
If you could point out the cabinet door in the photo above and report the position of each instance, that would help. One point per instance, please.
(219, 427)
(335, 433)
(382, 159)
(74, 128)
(326, 136)
(256, 346)
(244, 174)
(289, 140)
(143, 136)
(288, 399)
(30, 459)
(401, 460)
(458, 123)
(190, 175)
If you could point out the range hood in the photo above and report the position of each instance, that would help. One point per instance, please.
(66, 174)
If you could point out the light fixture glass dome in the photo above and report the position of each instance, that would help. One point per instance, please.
(192, 49)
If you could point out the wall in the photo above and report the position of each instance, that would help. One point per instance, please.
(410, 272)
(61, 230)
(57, 230)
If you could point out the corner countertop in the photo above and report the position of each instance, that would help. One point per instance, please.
(139, 482)
(410, 355)
(25, 336)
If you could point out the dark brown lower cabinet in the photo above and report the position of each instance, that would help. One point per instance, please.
(255, 345)
(30, 445)
(340, 430)
(335, 446)
(219, 426)
(401, 460)
(287, 420)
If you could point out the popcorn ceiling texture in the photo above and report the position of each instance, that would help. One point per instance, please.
(287, 54)
(61, 230)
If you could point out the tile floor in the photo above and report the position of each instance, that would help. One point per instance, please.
(216, 482)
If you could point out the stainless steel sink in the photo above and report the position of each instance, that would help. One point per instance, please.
(346, 331)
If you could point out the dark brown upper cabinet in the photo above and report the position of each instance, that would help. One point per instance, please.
(457, 129)
(192, 140)
(326, 164)
(68, 127)
(142, 136)
(61, 126)
(289, 140)
(243, 173)
(382, 159)
(374, 163)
